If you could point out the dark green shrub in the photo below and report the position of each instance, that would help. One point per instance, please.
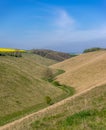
(2, 54)
(92, 49)
(56, 83)
(48, 100)
(17, 54)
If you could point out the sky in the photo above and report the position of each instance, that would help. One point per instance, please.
(62, 25)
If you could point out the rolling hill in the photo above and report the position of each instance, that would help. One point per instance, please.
(86, 109)
(83, 71)
(22, 89)
(54, 55)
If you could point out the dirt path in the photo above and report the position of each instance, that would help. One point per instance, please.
(20, 123)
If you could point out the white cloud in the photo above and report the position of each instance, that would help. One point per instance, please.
(67, 36)
(63, 30)
(66, 31)
(63, 20)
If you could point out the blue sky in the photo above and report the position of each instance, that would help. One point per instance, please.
(64, 25)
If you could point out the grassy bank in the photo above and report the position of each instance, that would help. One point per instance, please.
(87, 111)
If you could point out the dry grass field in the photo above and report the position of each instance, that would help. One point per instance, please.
(22, 89)
(83, 71)
(84, 110)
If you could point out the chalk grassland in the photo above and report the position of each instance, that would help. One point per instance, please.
(22, 89)
(84, 112)
(83, 71)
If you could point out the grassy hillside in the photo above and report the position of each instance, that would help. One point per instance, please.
(55, 55)
(22, 89)
(84, 112)
(83, 71)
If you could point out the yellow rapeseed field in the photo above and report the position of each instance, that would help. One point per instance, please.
(4, 50)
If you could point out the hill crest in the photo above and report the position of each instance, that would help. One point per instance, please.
(54, 55)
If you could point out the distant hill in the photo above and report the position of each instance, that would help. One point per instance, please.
(54, 55)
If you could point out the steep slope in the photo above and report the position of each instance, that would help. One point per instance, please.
(22, 89)
(83, 71)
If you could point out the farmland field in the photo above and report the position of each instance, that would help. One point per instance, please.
(10, 50)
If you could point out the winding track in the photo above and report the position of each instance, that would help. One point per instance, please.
(19, 124)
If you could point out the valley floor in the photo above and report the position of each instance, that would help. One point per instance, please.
(51, 118)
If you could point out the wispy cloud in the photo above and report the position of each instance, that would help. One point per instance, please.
(59, 28)
(63, 20)
(66, 30)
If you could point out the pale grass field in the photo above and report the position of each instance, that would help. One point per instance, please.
(83, 71)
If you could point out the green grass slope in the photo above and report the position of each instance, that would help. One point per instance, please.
(85, 112)
(22, 89)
